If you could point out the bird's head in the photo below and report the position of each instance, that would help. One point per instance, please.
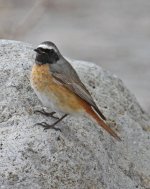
(47, 53)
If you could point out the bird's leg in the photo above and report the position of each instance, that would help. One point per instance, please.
(52, 126)
(48, 114)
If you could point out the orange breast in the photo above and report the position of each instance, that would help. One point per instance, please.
(43, 82)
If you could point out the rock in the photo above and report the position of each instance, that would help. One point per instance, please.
(82, 156)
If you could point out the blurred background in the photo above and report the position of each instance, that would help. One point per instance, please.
(114, 34)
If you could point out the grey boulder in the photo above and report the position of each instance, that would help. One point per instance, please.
(82, 156)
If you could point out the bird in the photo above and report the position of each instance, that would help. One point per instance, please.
(58, 86)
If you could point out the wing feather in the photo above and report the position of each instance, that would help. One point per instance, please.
(74, 84)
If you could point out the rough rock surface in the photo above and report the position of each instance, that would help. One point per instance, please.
(82, 156)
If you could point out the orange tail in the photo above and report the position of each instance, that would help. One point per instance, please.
(91, 112)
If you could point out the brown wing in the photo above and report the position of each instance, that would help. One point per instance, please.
(75, 85)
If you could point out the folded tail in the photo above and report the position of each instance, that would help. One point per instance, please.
(101, 122)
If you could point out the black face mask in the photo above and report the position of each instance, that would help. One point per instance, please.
(46, 56)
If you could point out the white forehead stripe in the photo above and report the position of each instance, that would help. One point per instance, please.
(44, 46)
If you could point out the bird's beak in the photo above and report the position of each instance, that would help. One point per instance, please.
(36, 50)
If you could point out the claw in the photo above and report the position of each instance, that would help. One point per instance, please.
(47, 126)
(51, 114)
(52, 126)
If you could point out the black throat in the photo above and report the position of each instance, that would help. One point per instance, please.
(47, 57)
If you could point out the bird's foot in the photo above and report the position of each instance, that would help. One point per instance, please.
(48, 126)
(48, 114)
(52, 126)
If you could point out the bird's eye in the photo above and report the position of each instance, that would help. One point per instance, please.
(41, 50)
(47, 51)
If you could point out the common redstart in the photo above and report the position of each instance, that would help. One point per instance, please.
(58, 86)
